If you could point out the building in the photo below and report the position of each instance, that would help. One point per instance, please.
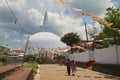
(4, 49)
(17, 53)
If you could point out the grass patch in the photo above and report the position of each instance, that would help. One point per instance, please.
(29, 65)
(1, 64)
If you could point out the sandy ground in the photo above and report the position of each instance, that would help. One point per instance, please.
(57, 72)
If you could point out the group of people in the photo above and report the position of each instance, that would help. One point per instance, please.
(71, 67)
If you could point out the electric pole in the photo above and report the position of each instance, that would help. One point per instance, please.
(86, 32)
(25, 49)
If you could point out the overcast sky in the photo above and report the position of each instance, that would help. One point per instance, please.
(62, 19)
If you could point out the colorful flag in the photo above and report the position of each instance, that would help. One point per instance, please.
(102, 21)
(89, 14)
(61, 2)
(75, 9)
(95, 18)
(79, 10)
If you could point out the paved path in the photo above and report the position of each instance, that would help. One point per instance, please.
(37, 76)
(7, 68)
(57, 72)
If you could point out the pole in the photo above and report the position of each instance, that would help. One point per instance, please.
(117, 54)
(25, 50)
(86, 32)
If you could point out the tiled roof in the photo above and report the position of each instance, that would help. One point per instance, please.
(18, 51)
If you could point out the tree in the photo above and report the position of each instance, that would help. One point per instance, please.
(71, 38)
(93, 32)
(3, 58)
(112, 16)
(6, 51)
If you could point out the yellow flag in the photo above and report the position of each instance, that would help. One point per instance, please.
(61, 2)
(89, 14)
(109, 25)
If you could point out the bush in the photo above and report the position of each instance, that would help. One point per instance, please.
(46, 61)
(1, 64)
(3, 58)
(29, 58)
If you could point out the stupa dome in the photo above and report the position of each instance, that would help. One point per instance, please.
(45, 40)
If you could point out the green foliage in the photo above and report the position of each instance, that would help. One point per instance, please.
(29, 57)
(1, 63)
(70, 38)
(29, 64)
(45, 61)
(6, 51)
(32, 65)
(3, 58)
(112, 16)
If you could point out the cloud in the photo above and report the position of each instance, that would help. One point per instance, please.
(97, 7)
(30, 14)
(62, 19)
(3, 35)
(63, 24)
(16, 41)
(14, 4)
(35, 16)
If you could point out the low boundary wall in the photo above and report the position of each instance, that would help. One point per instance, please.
(107, 68)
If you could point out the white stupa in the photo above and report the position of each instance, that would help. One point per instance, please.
(45, 38)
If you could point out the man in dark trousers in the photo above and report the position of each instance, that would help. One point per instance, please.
(68, 66)
(73, 67)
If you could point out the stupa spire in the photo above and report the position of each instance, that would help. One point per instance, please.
(45, 27)
(45, 21)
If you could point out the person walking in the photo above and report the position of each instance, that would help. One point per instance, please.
(73, 67)
(68, 67)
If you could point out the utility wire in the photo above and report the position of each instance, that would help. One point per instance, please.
(5, 6)
(16, 20)
(2, 3)
(14, 4)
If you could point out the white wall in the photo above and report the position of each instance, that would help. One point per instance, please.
(82, 57)
(106, 55)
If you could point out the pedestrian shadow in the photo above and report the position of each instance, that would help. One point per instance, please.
(111, 77)
(97, 77)
(78, 76)
(101, 74)
(72, 75)
(87, 76)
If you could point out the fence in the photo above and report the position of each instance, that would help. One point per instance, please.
(109, 55)
(14, 60)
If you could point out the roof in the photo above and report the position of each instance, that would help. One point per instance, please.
(18, 51)
(78, 47)
(1, 51)
(2, 48)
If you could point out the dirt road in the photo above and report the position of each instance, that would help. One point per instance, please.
(57, 72)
